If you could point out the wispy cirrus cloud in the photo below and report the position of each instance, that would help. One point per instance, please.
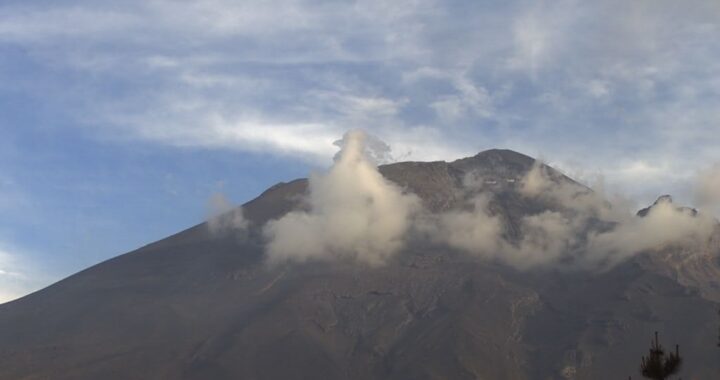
(288, 76)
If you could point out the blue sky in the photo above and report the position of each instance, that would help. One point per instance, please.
(119, 119)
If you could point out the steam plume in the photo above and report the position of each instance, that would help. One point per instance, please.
(353, 211)
(223, 216)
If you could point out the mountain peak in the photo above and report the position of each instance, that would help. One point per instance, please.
(494, 160)
(501, 152)
(506, 155)
(665, 199)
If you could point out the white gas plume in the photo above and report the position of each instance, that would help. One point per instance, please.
(475, 231)
(546, 238)
(353, 212)
(223, 216)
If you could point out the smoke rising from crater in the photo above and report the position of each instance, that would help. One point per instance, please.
(352, 211)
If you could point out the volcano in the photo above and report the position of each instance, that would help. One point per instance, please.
(205, 305)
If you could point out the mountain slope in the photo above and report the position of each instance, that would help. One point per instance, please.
(204, 305)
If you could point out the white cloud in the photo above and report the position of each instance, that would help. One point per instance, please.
(665, 225)
(281, 76)
(207, 128)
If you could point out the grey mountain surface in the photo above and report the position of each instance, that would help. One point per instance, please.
(204, 305)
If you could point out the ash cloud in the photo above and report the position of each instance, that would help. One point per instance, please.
(352, 211)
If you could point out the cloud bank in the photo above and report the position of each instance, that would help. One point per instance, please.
(665, 225)
(352, 211)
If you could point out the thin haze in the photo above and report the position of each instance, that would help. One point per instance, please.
(121, 118)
